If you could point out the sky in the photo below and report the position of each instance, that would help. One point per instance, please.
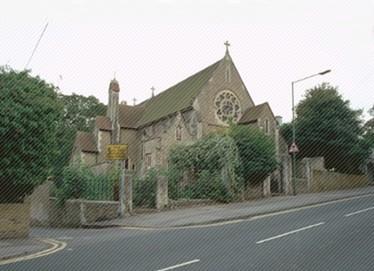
(159, 43)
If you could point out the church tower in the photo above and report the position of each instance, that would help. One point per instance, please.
(113, 110)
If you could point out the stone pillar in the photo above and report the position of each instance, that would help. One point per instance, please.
(128, 192)
(267, 187)
(286, 175)
(82, 209)
(162, 198)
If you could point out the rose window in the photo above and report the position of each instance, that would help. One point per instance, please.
(227, 106)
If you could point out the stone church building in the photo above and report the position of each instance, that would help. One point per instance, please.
(200, 104)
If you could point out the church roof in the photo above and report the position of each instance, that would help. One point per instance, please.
(103, 123)
(252, 114)
(130, 115)
(175, 98)
(85, 142)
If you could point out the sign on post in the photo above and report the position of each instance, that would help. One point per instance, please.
(117, 151)
(293, 148)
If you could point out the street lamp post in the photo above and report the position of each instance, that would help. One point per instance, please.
(293, 148)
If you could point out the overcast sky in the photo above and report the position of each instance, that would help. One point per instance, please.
(159, 43)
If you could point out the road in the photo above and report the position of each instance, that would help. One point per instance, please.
(337, 236)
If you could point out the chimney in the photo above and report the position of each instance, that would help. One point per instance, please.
(279, 120)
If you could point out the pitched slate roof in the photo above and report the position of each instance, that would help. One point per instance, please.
(103, 123)
(130, 115)
(252, 114)
(85, 142)
(175, 98)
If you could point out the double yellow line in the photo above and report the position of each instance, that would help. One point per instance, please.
(55, 246)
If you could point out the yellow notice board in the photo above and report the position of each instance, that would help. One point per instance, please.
(117, 152)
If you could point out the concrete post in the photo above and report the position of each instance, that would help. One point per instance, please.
(308, 174)
(267, 187)
(128, 192)
(162, 198)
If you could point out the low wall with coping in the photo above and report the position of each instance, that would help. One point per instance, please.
(77, 212)
(328, 181)
(14, 220)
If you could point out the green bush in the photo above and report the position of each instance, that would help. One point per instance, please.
(144, 190)
(256, 152)
(220, 165)
(211, 164)
(211, 186)
(174, 176)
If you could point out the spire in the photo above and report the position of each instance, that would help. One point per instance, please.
(227, 44)
(134, 101)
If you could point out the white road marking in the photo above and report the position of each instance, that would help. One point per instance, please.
(290, 232)
(179, 265)
(359, 212)
(255, 217)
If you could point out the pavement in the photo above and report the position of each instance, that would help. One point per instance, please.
(337, 236)
(227, 212)
(12, 248)
(179, 218)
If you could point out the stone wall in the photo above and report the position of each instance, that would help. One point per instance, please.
(39, 200)
(327, 181)
(14, 220)
(74, 213)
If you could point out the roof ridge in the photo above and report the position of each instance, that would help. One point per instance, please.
(177, 97)
(180, 82)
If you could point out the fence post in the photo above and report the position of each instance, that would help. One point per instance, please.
(162, 198)
(128, 192)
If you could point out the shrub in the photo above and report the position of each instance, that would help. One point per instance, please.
(256, 152)
(211, 163)
(144, 190)
(211, 186)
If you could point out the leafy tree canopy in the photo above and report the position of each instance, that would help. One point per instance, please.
(369, 129)
(29, 115)
(79, 114)
(327, 126)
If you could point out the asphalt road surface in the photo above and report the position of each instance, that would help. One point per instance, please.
(337, 236)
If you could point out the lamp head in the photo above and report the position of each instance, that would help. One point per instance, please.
(324, 72)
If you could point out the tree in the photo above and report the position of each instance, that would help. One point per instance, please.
(256, 153)
(79, 114)
(369, 130)
(327, 126)
(29, 116)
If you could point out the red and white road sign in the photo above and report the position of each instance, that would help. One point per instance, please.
(293, 148)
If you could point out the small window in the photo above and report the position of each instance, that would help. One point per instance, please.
(148, 161)
(228, 74)
(267, 126)
(178, 133)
